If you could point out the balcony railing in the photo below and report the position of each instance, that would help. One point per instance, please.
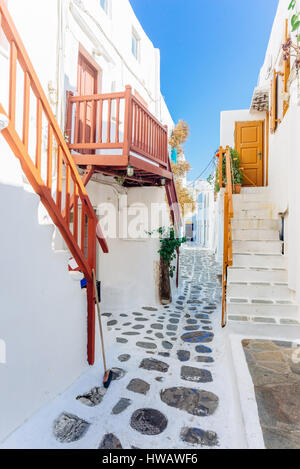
(50, 171)
(116, 130)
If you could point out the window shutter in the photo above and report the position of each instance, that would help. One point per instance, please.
(287, 69)
(273, 120)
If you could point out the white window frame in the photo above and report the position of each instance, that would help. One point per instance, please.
(136, 52)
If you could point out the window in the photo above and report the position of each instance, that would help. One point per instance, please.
(135, 45)
(104, 5)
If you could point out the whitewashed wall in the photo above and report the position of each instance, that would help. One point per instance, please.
(285, 149)
(228, 120)
(43, 311)
(59, 27)
(284, 146)
(129, 273)
(53, 45)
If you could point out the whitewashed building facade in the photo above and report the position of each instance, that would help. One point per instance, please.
(83, 47)
(266, 214)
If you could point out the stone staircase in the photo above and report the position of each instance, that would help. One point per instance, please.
(257, 289)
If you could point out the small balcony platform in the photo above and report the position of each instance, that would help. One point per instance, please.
(113, 132)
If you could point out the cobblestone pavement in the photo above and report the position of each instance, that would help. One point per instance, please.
(172, 386)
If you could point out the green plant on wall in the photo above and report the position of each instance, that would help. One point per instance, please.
(295, 21)
(291, 49)
(237, 174)
(169, 245)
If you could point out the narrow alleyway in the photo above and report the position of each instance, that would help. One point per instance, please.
(174, 383)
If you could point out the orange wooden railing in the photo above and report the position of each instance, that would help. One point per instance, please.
(51, 170)
(228, 215)
(118, 122)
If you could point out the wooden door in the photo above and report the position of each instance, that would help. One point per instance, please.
(87, 84)
(249, 143)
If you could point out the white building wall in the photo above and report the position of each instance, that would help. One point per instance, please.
(284, 145)
(53, 45)
(205, 213)
(228, 120)
(43, 321)
(62, 27)
(130, 272)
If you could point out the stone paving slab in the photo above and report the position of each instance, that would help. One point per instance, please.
(275, 370)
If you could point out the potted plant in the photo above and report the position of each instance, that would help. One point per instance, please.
(238, 179)
(169, 245)
(237, 174)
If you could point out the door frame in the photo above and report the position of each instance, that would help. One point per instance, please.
(263, 123)
(90, 61)
(88, 58)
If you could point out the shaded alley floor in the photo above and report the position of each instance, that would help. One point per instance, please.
(174, 381)
(275, 370)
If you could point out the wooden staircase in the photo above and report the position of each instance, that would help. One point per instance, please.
(53, 173)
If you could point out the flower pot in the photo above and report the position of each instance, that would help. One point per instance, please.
(237, 188)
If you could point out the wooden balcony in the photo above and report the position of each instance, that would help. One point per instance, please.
(111, 132)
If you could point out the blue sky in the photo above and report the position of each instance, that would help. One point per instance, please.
(211, 54)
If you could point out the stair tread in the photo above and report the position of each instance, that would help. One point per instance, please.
(258, 301)
(259, 240)
(259, 269)
(254, 253)
(258, 283)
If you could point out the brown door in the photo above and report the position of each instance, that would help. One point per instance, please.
(87, 84)
(249, 145)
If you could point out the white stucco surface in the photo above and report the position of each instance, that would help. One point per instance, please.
(43, 323)
(43, 313)
(228, 120)
(284, 144)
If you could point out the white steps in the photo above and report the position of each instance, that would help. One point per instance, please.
(258, 290)
(255, 235)
(268, 247)
(259, 260)
(273, 309)
(255, 274)
(243, 205)
(249, 197)
(254, 213)
(255, 223)
(257, 284)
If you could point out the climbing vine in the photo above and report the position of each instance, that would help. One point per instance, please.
(291, 49)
